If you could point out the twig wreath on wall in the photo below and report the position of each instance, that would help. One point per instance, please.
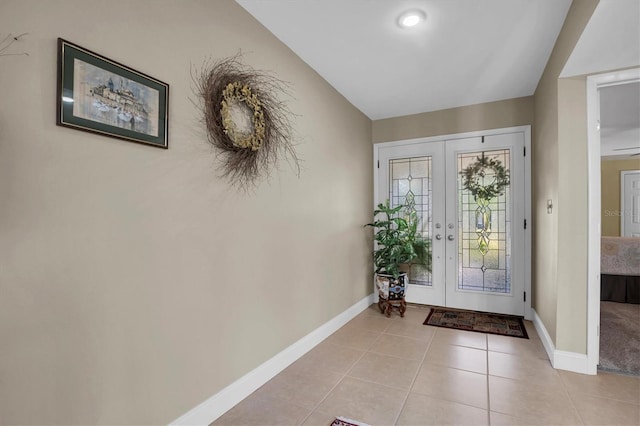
(244, 120)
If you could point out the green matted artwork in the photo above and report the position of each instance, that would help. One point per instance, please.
(98, 95)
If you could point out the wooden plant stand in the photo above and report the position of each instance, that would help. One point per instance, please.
(386, 306)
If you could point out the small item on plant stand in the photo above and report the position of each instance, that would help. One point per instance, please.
(394, 237)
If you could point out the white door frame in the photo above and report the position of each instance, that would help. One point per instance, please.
(594, 82)
(526, 130)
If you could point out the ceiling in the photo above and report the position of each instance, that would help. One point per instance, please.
(611, 41)
(465, 52)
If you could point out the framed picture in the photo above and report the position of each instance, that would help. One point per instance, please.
(99, 95)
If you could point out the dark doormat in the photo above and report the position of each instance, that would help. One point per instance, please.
(504, 325)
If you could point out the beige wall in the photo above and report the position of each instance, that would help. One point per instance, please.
(491, 115)
(559, 174)
(134, 282)
(572, 213)
(610, 173)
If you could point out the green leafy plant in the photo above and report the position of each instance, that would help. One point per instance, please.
(421, 246)
(398, 240)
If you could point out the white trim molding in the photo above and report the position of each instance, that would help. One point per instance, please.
(571, 361)
(595, 82)
(549, 347)
(561, 360)
(214, 407)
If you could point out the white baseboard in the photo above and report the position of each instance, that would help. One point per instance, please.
(561, 360)
(549, 347)
(221, 402)
(571, 361)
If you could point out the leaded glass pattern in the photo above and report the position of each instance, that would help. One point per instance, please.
(410, 182)
(484, 232)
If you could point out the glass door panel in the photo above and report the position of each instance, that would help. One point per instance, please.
(411, 185)
(484, 228)
(413, 175)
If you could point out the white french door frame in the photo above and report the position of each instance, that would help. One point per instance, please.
(526, 130)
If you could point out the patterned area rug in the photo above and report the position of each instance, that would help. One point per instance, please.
(343, 421)
(505, 325)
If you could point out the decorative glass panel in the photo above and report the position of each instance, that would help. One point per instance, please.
(484, 222)
(411, 184)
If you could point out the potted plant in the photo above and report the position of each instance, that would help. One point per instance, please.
(397, 244)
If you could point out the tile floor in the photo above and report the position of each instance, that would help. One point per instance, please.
(396, 371)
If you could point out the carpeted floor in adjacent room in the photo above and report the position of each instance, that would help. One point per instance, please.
(620, 338)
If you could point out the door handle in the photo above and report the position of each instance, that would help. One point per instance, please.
(450, 237)
(438, 237)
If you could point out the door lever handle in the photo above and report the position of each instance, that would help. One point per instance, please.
(450, 237)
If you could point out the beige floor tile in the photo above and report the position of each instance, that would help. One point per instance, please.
(327, 356)
(523, 367)
(318, 418)
(461, 357)
(516, 346)
(600, 411)
(364, 401)
(452, 384)
(386, 370)
(353, 337)
(263, 411)
(408, 328)
(448, 336)
(499, 419)
(605, 385)
(400, 346)
(425, 410)
(524, 400)
(531, 330)
(303, 387)
(415, 315)
(372, 310)
(376, 324)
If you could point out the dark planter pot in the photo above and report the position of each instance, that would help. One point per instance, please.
(391, 292)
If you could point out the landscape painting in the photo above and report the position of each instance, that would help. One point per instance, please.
(102, 96)
(107, 98)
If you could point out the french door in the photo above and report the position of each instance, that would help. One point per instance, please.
(476, 238)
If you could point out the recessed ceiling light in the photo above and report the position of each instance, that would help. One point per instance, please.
(411, 18)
